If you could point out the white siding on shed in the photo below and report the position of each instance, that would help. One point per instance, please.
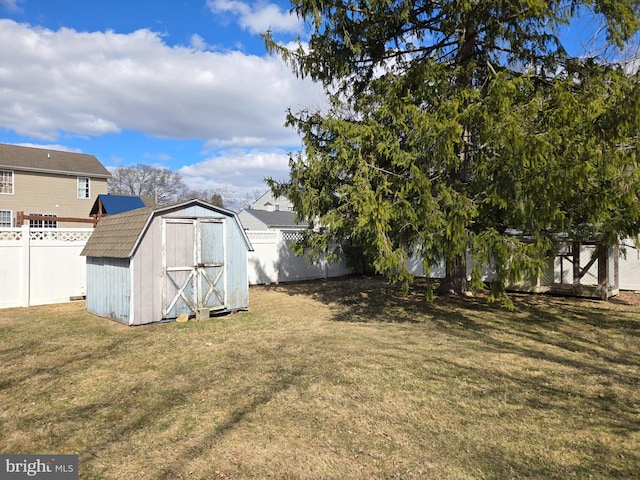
(109, 275)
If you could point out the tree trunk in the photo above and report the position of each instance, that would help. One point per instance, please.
(455, 280)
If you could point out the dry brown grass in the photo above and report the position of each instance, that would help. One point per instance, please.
(338, 379)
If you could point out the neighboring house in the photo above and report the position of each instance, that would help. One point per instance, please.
(272, 204)
(269, 220)
(48, 183)
(270, 213)
(272, 227)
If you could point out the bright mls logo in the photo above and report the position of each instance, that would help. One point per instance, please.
(46, 467)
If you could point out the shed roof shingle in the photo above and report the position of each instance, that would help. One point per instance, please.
(116, 235)
(52, 161)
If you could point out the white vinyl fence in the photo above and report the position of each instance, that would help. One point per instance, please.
(629, 265)
(41, 266)
(273, 261)
(558, 276)
(44, 266)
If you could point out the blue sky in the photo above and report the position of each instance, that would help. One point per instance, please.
(183, 84)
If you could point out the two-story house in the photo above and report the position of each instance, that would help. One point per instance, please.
(270, 203)
(270, 213)
(49, 183)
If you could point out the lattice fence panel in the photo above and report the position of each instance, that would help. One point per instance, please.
(291, 236)
(10, 235)
(71, 235)
(262, 236)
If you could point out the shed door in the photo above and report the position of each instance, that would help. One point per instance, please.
(193, 265)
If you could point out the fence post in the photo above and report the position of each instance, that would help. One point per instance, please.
(277, 248)
(325, 264)
(25, 271)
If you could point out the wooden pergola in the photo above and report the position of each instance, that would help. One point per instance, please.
(605, 259)
(21, 218)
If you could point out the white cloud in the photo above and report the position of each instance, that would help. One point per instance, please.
(52, 146)
(93, 83)
(258, 17)
(240, 170)
(234, 142)
(198, 42)
(241, 9)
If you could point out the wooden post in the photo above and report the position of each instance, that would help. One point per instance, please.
(603, 269)
(576, 263)
(602, 265)
(616, 266)
(100, 213)
(21, 217)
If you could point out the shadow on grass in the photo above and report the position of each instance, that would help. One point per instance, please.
(252, 403)
(371, 299)
(569, 324)
(128, 410)
(566, 323)
(544, 331)
(592, 337)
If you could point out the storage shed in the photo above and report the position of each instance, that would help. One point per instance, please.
(158, 263)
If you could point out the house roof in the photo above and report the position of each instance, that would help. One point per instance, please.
(112, 204)
(277, 219)
(117, 236)
(51, 161)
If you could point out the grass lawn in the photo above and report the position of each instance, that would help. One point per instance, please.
(339, 379)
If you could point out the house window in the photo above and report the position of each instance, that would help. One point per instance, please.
(43, 223)
(83, 187)
(5, 218)
(6, 181)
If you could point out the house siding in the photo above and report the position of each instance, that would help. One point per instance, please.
(110, 275)
(55, 194)
(147, 287)
(270, 203)
(237, 281)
